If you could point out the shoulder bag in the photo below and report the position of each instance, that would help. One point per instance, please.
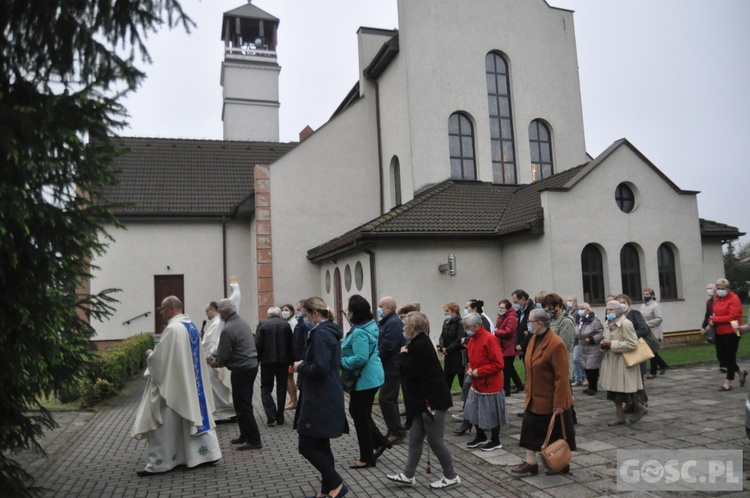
(556, 455)
(638, 355)
(711, 334)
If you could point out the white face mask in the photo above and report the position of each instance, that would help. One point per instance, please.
(710, 292)
(285, 315)
(624, 306)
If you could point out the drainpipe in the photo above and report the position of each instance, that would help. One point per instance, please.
(373, 281)
(380, 145)
(224, 253)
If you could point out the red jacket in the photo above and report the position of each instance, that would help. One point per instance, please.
(486, 357)
(505, 331)
(725, 309)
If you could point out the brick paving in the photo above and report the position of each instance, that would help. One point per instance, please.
(92, 454)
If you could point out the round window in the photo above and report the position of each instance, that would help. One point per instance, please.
(625, 197)
(359, 276)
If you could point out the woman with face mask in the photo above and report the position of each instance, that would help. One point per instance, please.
(485, 404)
(547, 393)
(727, 309)
(651, 311)
(451, 344)
(589, 333)
(426, 398)
(622, 382)
(505, 331)
(288, 314)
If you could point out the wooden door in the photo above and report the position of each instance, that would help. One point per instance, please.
(166, 285)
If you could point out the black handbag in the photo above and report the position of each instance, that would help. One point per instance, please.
(349, 377)
(711, 334)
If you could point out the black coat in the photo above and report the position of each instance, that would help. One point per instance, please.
(450, 339)
(321, 408)
(522, 333)
(390, 341)
(423, 378)
(273, 340)
(299, 339)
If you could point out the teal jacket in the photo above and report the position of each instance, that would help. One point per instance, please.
(355, 355)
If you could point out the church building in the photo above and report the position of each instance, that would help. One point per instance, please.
(455, 168)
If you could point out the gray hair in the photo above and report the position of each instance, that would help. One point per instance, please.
(616, 307)
(274, 311)
(472, 319)
(227, 305)
(540, 315)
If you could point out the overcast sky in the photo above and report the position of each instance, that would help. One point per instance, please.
(671, 76)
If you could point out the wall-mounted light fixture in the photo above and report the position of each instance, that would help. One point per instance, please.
(449, 267)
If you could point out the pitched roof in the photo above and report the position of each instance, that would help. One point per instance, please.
(181, 178)
(250, 11)
(715, 230)
(472, 210)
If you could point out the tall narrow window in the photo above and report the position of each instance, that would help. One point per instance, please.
(461, 140)
(667, 272)
(540, 143)
(501, 123)
(395, 181)
(630, 270)
(593, 274)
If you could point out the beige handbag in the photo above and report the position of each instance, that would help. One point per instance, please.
(556, 455)
(638, 355)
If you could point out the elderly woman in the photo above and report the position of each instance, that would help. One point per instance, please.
(485, 404)
(506, 328)
(563, 325)
(359, 354)
(727, 309)
(427, 398)
(622, 382)
(547, 392)
(321, 414)
(451, 344)
(651, 311)
(589, 333)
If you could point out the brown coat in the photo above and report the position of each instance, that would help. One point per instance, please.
(547, 383)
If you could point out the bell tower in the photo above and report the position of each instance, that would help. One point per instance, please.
(250, 75)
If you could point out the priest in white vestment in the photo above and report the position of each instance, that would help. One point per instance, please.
(221, 383)
(175, 411)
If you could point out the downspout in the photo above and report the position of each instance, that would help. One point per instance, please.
(380, 145)
(224, 253)
(373, 281)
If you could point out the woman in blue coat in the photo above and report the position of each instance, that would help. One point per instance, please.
(321, 408)
(359, 354)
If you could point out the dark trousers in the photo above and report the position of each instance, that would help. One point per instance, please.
(510, 374)
(592, 375)
(452, 370)
(317, 451)
(270, 372)
(658, 363)
(369, 436)
(242, 395)
(389, 405)
(726, 349)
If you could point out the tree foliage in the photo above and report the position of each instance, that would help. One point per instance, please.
(65, 65)
(737, 272)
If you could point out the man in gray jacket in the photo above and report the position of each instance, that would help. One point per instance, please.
(237, 352)
(273, 340)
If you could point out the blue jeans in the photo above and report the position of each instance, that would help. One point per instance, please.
(579, 372)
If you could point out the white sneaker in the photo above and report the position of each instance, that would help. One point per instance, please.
(445, 482)
(458, 416)
(402, 479)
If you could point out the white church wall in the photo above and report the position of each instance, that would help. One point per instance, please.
(713, 262)
(146, 249)
(444, 45)
(324, 187)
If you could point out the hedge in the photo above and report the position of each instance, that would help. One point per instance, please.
(109, 371)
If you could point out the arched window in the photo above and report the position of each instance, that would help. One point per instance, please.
(540, 143)
(461, 140)
(630, 270)
(395, 181)
(667, 272)
(592, 271)
(501, 119)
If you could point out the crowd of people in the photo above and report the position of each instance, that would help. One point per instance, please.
(561, 343)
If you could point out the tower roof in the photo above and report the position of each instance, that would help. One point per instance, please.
(250, 11)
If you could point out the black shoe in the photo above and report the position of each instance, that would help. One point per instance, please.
(661, 372)
(379, 450)
(478, 442)
(271, 422)
(590, 392)
(279, 421)
(146, 473)
(629, 409)
(519, 414)
(465, 426)
(239, 440)
(492, 446)
(363, 466)
(249, 446)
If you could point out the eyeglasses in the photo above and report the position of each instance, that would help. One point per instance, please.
(532, 321)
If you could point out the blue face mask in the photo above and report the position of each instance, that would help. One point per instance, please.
(530, 327)
(646, 299)
(466, 312)
(469, 333)
(611, 316)
(517, 306)
(380, 312)
(721, 293)
(406, 336)
(299, 316)
(309, 323)
(581, 312)
(501, 313)
(538, 305)
(569, 304)
(448, 317)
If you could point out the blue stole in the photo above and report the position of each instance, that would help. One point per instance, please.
(195, 349)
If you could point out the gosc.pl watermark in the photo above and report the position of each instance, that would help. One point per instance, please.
(679, 470)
